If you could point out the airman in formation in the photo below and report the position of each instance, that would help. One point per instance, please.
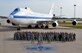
(45, 36)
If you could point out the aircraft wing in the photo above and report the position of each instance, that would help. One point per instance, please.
(45, 21)
(62, 19)
(67, 19)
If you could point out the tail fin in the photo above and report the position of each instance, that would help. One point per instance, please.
(51, 10)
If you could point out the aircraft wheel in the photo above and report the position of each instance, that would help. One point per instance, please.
(29, 26)
(42, 26)
(46, 26)
(18, 28)
(36, 26)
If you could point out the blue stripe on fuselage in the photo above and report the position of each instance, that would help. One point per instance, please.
(31, 17)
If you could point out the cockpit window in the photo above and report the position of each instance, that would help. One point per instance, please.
(15, 11)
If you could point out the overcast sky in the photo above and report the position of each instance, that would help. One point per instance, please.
(43, 6)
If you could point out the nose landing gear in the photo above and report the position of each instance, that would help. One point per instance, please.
(18, 28)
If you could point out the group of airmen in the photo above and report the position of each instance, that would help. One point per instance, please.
(45, 36)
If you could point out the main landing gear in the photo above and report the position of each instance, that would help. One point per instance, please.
(18, 28)
(46, 27)
(36, 26)
(42, 26)
(29, 26)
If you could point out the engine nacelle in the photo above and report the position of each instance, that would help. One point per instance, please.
(74, 22)
(55, 24)
(8, 21)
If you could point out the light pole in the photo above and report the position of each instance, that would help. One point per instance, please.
(60, 12)
(74, 10)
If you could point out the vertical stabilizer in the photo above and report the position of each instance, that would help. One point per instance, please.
(51, 10)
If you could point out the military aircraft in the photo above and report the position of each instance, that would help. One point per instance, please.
(25, 16)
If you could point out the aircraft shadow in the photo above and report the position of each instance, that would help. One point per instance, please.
(7, 29)
(12, 28)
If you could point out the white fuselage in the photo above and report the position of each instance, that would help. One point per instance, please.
(26, 16)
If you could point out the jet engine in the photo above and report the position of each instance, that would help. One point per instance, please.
(8, 21)
(55, 23)
(74, 22)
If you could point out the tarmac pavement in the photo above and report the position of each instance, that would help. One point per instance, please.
(8, 45)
